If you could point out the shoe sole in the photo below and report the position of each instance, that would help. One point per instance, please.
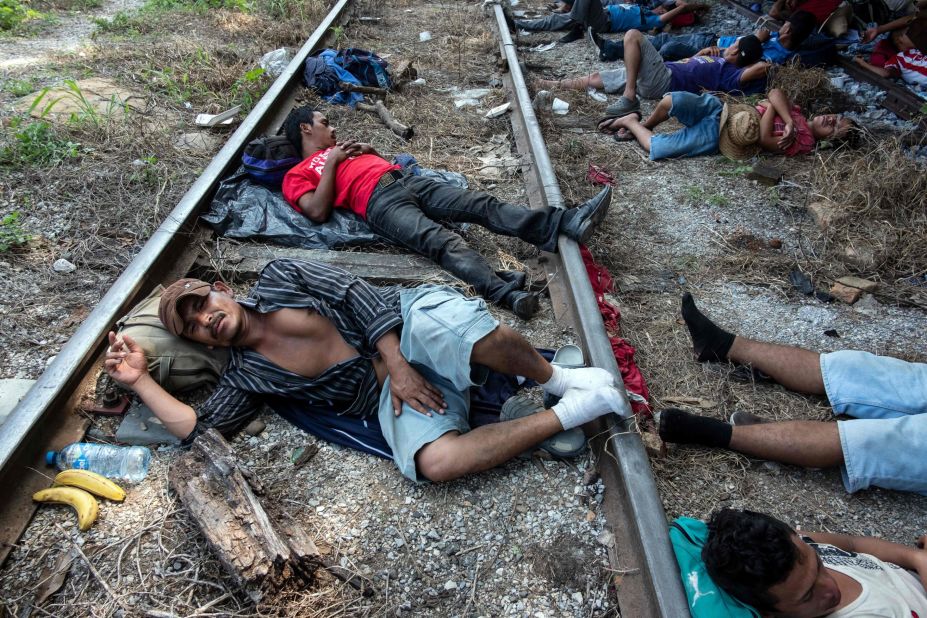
(590, 225)
(615, 112)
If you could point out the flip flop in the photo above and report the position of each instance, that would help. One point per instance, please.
(611, 131)
(563, 445)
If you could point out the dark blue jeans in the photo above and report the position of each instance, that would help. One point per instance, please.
(409, 212)
(671, 46)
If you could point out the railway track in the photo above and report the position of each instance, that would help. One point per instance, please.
(898, 99)
(45, 417)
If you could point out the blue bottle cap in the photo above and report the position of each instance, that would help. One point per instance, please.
(50, 458)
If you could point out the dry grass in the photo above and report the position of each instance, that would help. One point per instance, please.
(880, 194)
(811, 90)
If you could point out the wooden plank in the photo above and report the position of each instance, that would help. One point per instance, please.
(244, 263)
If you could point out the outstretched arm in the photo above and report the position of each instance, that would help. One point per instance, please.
(126, 363)
(911, 558)
(872, 68)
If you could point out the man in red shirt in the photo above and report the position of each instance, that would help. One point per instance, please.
(408, 210)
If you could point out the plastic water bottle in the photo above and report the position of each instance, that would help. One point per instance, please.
(125, 463)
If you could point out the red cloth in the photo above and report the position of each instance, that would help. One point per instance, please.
(634, 382)
(681, 21)
(882, 53)
(599, 175)
(821, 9)
(355, 180)
(804, 138)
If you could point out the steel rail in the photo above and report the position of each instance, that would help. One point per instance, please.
(21, 436)
(898, 99)
(626, 455)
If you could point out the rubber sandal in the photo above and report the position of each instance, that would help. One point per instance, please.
(563, 445)
(610, 130)
(627, 136)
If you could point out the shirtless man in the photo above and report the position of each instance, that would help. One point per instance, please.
(316, 335)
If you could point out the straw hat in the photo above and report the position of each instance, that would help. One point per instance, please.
(740, 131)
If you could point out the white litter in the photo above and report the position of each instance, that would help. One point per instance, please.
(498, 110)
(595, 94)
(424, 36)
(211, 120)
(560, 106)
(544, 48)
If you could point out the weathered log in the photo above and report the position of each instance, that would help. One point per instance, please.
(261, 552)
(395, 126)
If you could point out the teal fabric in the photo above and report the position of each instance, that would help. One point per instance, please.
(706, 600)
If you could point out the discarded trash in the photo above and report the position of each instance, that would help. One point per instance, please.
(469, 98)
(211, 120)
(129, 463)
(424, 36)
(274, 62)
(417, 82)
(560, 106)
(499, 110)
(544, 48)
(600, 176)
(595, 94)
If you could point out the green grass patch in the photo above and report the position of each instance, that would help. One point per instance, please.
(18, 87)
(13, 14)
(36, 143)
(12, 233)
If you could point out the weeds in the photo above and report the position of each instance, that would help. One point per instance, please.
(698, 195)
(13, 13)
(19, 87)
(197, 6)
(35, 143)
(12, 233)
(86, 112)
(122, 23)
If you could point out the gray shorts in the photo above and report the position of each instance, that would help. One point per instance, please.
(883, 445)
(653, 79)
(440, 326)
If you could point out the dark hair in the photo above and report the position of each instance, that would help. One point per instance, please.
(749, 50)
(298, 116)
(803, 24)
(748, 553)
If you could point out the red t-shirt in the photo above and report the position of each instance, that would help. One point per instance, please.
(804, 138)
(355, 180)
(821, 9)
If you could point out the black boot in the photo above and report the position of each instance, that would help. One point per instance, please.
(523, 304)
(575, 34)
(579, 223)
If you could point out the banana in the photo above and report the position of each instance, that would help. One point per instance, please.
(97, 484)
(85, 504)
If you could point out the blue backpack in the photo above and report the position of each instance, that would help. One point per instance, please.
(366, 66)
(267, 159)
(706, 600)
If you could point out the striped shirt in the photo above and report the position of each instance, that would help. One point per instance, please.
(909, 65)
(362, 314)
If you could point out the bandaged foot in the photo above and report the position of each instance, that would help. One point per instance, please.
(579, 378)
(709, 342)
(577, 407)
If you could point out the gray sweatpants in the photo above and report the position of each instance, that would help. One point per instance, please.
(653, 78)
(588, 13)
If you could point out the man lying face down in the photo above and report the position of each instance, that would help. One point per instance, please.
(314, 334)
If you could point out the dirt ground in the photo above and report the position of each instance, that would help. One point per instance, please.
(526, 539)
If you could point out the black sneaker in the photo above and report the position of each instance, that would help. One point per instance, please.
(523, 304)
(575, 34)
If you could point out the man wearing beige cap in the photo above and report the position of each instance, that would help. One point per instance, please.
(400, 359)
(739, 131)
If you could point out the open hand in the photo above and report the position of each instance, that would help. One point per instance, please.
(870, 34)
(125, 360)
(407, 385)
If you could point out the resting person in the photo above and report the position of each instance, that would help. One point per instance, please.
(764, 563)
(608, 17)
(408, 210)
(315, 334)
(738, 71)
(738, 131)
(778, 47)
(832, 16)
(909, 63)
(881, 446)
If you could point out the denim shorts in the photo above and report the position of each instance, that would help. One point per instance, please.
(701, 116)
(440, 326)
(885, 442)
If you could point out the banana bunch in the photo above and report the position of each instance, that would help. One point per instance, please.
(74, 488)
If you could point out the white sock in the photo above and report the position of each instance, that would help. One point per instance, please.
(583, 378)
(578, 407)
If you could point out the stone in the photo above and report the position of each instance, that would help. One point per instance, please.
(654, 445)
(845, 293)
(61, 265)
(823, 213)
(450, 585)
(199, 141)
(255, 427)
(765, 174)
(868, 305)
(775, 243)
(862, 257)
(858, 282)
